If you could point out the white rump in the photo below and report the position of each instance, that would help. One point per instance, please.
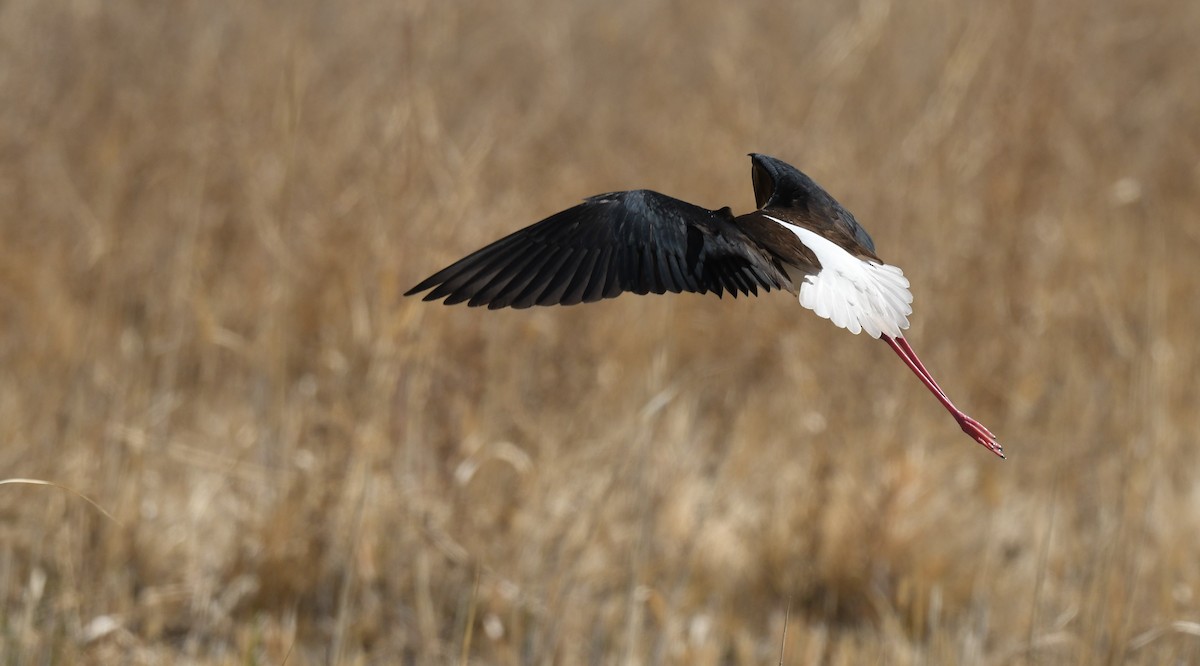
(854, 294)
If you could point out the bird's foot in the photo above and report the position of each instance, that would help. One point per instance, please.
(980, 434)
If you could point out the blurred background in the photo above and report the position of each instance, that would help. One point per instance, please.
(209, 210)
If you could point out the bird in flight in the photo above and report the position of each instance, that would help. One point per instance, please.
(800, 239)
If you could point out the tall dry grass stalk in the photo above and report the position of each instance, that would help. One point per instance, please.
(208, 211)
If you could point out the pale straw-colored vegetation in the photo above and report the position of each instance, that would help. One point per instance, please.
(209, 210)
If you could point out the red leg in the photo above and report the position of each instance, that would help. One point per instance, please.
(913, 355)
(902, 342)
(974, 428)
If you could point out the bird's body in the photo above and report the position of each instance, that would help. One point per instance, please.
(800, 240)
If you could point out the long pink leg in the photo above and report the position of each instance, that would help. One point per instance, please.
(903, 342)
(912, 355)
(974, 428)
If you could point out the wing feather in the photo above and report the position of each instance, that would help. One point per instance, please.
(636, 241)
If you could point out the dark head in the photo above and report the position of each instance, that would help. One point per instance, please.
(778, 184)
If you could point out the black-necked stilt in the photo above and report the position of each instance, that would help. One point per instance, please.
(800, 239)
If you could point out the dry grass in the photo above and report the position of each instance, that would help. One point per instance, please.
(209, 209)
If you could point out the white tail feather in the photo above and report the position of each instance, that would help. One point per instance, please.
(853, 293)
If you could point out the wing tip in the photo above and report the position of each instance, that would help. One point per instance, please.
(424, 286)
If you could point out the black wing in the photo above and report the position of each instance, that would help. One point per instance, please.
(779, 184)
(638, 241)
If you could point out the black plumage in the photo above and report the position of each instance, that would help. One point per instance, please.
(637, 241)
(644, 242)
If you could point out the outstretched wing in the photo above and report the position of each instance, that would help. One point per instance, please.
(779, 185)
(637, 241)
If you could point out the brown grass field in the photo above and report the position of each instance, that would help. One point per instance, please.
(209, 210)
